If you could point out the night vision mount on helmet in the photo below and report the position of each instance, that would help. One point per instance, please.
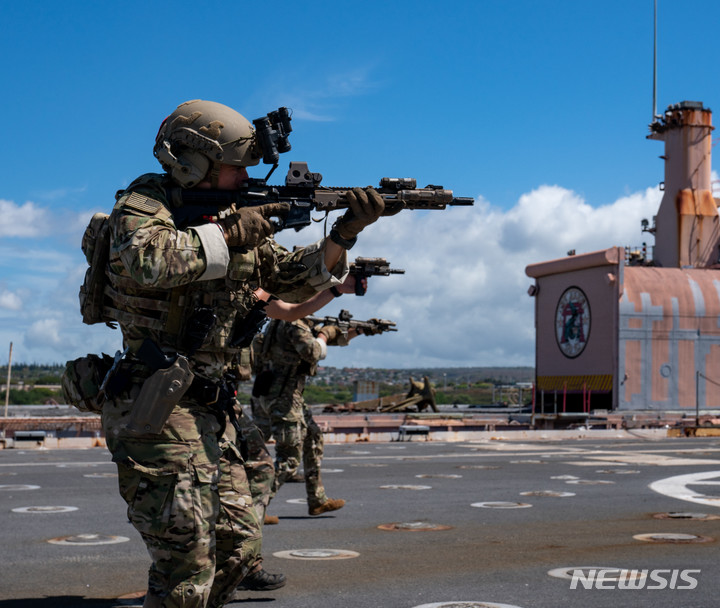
(200, 136)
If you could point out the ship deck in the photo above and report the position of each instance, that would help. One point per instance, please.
(495, 522)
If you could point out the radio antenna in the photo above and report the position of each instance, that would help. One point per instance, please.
(654, 108)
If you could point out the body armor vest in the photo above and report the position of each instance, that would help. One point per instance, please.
(196, 318)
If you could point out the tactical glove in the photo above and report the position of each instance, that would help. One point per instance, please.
(334, 336)
(371, 330)
(249, 226)
(366, 206)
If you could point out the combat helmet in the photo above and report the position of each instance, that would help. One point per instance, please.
(201, 135)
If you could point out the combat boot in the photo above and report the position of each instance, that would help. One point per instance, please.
(331, 504)
(262, 581)
(271, 520)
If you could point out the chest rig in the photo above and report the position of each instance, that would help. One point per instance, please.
(204, 317)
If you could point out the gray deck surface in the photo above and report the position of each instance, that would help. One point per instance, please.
(489, 557)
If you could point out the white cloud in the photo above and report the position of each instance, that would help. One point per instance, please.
(26, 220)
(44, 333)
(31, 221)
(10, 300)
(463, 299)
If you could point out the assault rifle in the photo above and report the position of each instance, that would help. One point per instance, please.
(302, 191)
(344, 322)
(362, 268)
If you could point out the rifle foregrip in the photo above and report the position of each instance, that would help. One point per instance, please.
(359, 288)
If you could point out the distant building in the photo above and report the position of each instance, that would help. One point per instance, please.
(364, 390)
(621, 330)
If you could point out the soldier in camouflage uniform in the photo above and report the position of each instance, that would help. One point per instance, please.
(181, 291)
(259, 464)
(287, 353)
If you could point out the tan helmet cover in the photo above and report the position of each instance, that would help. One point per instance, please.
(201, 135)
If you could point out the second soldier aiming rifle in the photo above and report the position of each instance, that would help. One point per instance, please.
(345, 322)
(362, 268)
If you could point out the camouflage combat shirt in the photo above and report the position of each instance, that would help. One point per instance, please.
(161, 273)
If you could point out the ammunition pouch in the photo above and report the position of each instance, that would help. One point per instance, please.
(220, 395)
(205, 391)
(96, 246)
(81, 381)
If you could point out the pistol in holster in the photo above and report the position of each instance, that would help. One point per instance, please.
(162, 391)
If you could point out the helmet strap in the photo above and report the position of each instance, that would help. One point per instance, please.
(214, 174)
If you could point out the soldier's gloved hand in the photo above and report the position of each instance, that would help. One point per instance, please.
(249, 226)
(366, 206)
(333, 335)
(331, 332)
(372, 330)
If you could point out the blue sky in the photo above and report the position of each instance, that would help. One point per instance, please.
(538, 110)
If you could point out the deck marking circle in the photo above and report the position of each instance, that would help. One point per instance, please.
(671, 537)
(332, 470)
(413, 526)
(297, 501)
(405, 487)
(44, 509)
(501, 505)
(677, 487)
(316, 554)
(686, 515)
(470, 604)
(17, 487)
(88, 539)
(623, 573)
(438, 476)
(590, 482)
(547, 493)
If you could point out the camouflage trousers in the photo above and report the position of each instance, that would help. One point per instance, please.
(259, 466)
(298, 439)
(260, 472)
(190, 500)
(238, 530)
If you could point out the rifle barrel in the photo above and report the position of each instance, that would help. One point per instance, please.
(466, 201)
